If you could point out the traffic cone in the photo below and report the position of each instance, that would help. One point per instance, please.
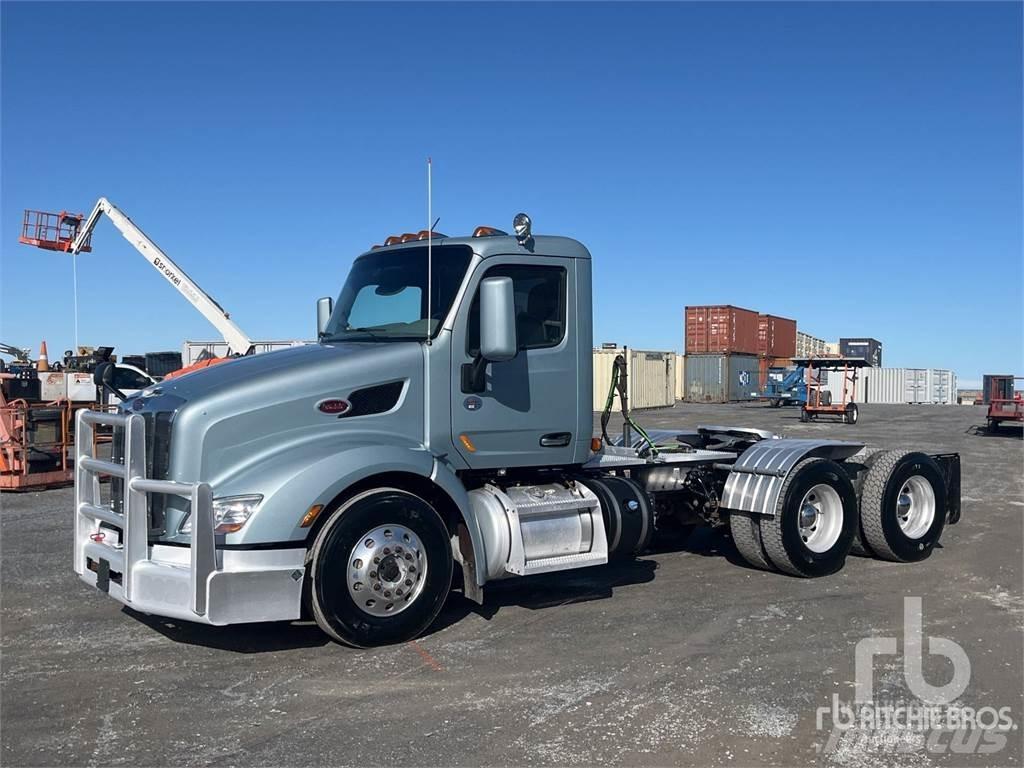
(43, 363)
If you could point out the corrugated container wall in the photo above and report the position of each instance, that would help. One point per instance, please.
(936, 386)
(651, 380)
(680, 376)
(869, 349)
(721, 378)
(809, 346)
(720, 328)
(776, 336)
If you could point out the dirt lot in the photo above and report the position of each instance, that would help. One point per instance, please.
(683, 657)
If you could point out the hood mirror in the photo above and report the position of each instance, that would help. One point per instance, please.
(324, 308)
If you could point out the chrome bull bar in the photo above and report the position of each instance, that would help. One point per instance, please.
(131, 553)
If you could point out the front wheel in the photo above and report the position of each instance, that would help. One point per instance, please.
(381, 568)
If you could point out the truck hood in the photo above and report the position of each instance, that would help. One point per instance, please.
(229, 416)
(289, 366)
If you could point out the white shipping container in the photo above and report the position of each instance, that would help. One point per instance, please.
(191, 350)
(899, 385)
(809, 346)
(650, 383)
(680, 376)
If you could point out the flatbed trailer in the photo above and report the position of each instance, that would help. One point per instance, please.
(443, 420)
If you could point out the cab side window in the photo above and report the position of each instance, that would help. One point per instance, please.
(540, 296)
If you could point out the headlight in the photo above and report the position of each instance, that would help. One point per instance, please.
(229, 513)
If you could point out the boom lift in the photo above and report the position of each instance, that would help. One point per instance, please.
(791, 390)
(72, 233)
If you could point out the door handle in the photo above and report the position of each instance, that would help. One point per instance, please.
(555, 439)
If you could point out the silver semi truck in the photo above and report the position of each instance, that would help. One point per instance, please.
(444, 421)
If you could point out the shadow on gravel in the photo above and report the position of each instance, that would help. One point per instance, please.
(706, 542)
(1010, 432)
(532, 592)
(241, 638)
(546, 591)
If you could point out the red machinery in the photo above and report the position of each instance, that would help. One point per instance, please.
(35, 441)
(1004, 404)
(824, 402)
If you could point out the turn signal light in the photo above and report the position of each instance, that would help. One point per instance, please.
(311, 515)
(467, 443)
(595, 444)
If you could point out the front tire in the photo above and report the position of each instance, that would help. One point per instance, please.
(815, 520)
(381, 569)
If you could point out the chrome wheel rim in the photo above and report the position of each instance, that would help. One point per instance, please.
(915, 507)
(387, 570)
(820, 518)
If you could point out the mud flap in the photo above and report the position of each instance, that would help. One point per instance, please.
(949, 464)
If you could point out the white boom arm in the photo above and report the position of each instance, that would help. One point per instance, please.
(238, 342)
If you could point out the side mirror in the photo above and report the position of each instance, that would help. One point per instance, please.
(103, 378)
(497, 320)
(101, 371)
(324, 307)
(498, 342)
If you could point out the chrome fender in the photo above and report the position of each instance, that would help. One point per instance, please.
(757, 477)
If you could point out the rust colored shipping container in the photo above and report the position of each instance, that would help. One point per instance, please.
(776, 336)
(720, 329)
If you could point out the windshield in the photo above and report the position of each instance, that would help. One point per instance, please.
(385, 295)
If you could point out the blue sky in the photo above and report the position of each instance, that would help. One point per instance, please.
(855, 166)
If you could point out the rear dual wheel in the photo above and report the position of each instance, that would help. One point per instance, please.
(902, 506)
(812, 529)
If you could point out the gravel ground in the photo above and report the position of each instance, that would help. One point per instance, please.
(683, 657)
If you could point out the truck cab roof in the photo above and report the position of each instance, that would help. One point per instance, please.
(486, 246)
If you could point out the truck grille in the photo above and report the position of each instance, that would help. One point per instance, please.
(158, 460)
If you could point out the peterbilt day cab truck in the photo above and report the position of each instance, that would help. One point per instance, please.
(444, 421)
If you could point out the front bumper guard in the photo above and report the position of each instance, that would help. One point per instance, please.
(112, 549)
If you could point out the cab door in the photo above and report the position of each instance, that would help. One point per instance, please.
(527, 413)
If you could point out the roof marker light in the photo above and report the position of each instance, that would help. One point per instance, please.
(488, 232)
